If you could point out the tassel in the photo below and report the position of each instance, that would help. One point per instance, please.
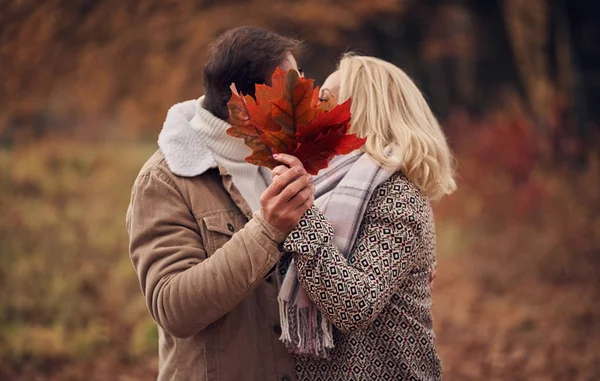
(327, 335)
(298, 328)
(284, 322)
(313, 332)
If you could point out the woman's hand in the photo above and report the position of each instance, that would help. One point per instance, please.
(290, 194)
(432, 276)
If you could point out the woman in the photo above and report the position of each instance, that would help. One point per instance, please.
(371, 279)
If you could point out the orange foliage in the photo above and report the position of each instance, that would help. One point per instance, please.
(287, 117)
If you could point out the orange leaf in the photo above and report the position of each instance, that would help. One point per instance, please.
(294, 108)
(339, 115)
(287, 117)
(316, 153)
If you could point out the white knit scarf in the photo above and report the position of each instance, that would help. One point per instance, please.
(231, 152)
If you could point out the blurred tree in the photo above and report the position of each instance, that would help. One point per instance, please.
(578, 59)
(552, 58)
(110, 69)
(527, 23)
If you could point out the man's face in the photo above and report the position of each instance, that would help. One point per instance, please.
(289, 62)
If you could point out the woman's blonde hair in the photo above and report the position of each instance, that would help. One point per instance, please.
(389, 109)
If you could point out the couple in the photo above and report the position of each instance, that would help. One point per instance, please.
(246, 278)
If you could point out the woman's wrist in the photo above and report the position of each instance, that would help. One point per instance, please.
(313, 230)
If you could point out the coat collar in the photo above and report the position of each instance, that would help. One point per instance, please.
(185, 152)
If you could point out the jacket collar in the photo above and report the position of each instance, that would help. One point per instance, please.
(187, 155)
(185, 152)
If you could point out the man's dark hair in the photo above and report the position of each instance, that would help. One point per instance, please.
(245, 56)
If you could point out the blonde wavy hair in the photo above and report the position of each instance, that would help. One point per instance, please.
(389, 109)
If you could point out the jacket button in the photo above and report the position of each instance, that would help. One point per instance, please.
(230, 227)
(284, 378)
(269, 279)
(277, 329)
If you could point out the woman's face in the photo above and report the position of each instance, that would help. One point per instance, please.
(331, 87)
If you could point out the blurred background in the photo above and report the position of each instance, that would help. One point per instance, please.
(84, 89)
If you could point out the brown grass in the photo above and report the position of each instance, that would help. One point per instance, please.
(68, 290)
(518, 286)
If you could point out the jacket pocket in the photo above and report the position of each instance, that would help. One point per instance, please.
(218, 227)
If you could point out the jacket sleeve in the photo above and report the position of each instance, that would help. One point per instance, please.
(184, 290)
(353, 294)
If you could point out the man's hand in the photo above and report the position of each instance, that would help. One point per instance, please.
(290, 194)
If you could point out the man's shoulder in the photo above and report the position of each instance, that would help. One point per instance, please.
(156, 162)
(157, 166)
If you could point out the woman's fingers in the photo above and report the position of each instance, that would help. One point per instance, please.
(290, 194)
(295, 187)
(279, 170)
(432, 276)
(287, 198)
(282, 181)
(304, 197)
(306, 205)
(291, 161)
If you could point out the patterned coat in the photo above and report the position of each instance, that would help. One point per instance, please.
(379, 300)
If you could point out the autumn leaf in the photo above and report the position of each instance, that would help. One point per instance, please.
(338, 116)
(316, 154)
(295, 107)
(245, 129)
(287, 117)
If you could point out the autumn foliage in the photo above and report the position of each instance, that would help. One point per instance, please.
(287, 117)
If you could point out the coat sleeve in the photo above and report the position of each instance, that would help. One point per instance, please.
(353, 294)
(184, 290)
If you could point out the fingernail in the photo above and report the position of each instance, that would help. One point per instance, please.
(275, 155)
(298, 169)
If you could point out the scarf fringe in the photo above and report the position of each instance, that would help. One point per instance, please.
(284, 322)
(298, 327)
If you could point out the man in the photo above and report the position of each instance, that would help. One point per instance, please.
(205, 227)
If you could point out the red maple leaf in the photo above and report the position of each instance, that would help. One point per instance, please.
(287, 117)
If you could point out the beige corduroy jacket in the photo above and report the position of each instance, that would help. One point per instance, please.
(204, 261)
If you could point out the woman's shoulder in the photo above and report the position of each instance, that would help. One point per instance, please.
(399, 193)
(400, 185)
